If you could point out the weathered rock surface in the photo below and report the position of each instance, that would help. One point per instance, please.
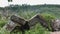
(14, 21)
(17, 19)
(55, 25)
(10, 26)
(37, 19)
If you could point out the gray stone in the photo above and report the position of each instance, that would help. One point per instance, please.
(17, 19)
(55, 25)
(14, 21)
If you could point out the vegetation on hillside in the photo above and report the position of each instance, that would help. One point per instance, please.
(27, 11)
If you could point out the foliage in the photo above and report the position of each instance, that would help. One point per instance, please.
(27, 11)
(27, 15)
(37, 30)
(4, 31)
(2, 23)
(48, 18)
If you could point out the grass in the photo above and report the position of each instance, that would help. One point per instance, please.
(38, 29)
(48, 12)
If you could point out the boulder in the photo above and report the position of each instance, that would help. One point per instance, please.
(55, 24)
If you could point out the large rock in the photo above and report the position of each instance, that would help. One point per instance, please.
(14, 21)
(17, 19)
(55, 24)
(37, 19)
(10, 26)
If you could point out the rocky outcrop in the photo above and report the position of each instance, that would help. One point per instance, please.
(55, 25)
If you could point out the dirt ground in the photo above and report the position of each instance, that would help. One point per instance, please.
(55, 32)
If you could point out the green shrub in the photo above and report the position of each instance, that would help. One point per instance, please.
(38, 30)
(48, 18)
(4, 31)
(27, 15)
(2, 23)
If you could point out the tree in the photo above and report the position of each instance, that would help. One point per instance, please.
(9, 0)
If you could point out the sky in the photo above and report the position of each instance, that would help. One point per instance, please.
(4, 3)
